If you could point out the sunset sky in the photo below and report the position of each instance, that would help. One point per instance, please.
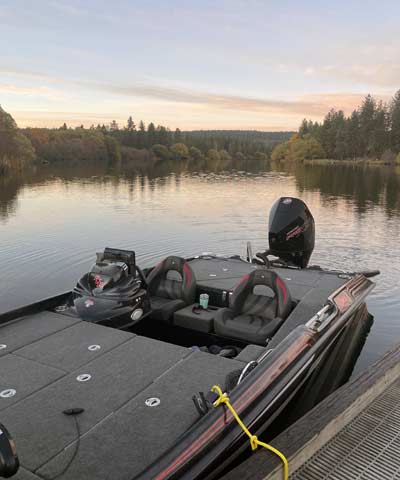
(194, 64)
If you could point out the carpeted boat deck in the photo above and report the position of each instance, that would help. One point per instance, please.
(50, 362)
(43, 357)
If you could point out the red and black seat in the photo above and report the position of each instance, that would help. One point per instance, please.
(253, 317)
(172, 286)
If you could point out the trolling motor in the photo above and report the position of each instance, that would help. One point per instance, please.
(114, 292)
(9, 462)
(291, 233)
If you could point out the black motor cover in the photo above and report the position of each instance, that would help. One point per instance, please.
(291, 231)
(9, 463)
(112, 289)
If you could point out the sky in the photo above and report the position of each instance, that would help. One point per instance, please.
(229, 64)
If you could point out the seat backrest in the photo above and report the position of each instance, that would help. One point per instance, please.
(163, 282)
(245, 301)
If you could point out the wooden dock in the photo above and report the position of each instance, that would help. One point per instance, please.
(353, 434)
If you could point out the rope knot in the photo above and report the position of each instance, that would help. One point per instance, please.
(223, 398)
(254, 442)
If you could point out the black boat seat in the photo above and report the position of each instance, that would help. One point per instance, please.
(251, 317)
(172, 286)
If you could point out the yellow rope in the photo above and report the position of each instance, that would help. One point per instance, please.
(254, 441)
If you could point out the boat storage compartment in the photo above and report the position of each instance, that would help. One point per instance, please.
(196, 318)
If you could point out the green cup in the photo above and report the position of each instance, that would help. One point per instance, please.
(204, 301)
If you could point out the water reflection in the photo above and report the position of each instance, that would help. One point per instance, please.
(9, 189)
(362, 186)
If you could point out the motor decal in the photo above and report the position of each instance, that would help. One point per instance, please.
(98, 281)
(295, 232)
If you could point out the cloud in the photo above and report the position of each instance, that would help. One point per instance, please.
(181, 95)
(381, 74)
(172, 103)
(314, 105)
(373, 75)
(27, 74)
(41, 91)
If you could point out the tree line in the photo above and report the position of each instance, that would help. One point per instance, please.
(131, 144)
(371, 131)
(232, 142)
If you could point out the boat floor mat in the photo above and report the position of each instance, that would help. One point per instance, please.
(74, 346)
(136, 435)
(26, 330)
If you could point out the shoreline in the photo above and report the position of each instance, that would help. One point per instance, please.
(357, 162)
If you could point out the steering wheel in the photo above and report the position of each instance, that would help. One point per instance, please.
(141, 275)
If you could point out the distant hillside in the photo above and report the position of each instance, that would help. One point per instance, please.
(268, 138)
(235, 142)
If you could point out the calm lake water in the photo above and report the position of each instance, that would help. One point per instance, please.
(53, 222)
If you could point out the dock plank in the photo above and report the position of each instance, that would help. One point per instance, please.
(371, 442)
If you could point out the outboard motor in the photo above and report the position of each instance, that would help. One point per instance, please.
(291, 231)
(114, 292)
(9, 463)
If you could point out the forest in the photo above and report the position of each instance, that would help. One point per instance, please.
(124, 146)
(371, 132)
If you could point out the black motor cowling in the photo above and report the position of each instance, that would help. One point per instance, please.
(114, 287)
(9, 463)
(107, 274)
(291, 231)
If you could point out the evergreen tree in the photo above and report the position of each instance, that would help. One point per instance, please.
(141, 135)
(353, 142)
(114, 126)
(328, 132)
(163, 135)
(340, 143)
(178, 138)
(151, 134)
(130, 125)
(395, 123)
(304, 127)
(381, 130)
(367, 125)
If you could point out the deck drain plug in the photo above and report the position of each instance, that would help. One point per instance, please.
(3, 346)
(153, 402)
(83, 377)
(10, 392)
(94, 348)
(61, 308)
